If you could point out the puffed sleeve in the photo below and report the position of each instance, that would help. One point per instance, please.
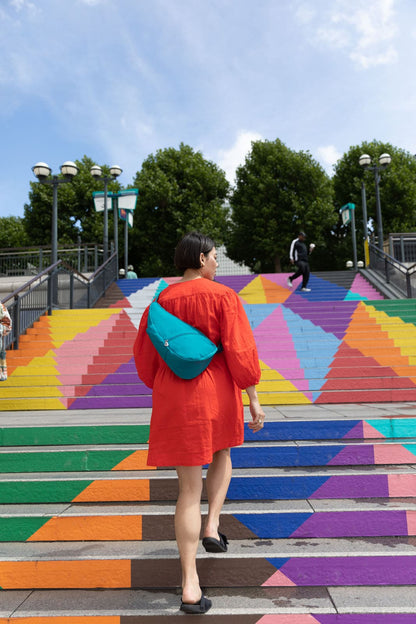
(145, 355)
(238, 342)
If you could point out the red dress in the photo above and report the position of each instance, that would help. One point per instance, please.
(194, 418)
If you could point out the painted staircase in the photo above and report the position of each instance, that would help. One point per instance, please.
(321, 510)
(332, 345)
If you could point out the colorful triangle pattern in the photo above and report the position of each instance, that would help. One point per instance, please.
(330, 345)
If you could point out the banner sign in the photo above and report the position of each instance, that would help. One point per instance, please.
(346, 213)
(126, 199)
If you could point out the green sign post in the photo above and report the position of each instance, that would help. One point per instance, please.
(348, 215)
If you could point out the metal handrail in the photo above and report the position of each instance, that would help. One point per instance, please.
(58, 286)
(392, 270)
(26, 285)
(34, 259)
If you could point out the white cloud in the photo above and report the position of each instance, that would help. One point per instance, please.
(328, 156)
(364, 29)
(232, 158)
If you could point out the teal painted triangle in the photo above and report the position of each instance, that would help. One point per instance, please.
(411, 448)
(161, 286)
(395, 427)
(351, 296)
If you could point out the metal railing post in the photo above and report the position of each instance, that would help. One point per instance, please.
(16, 321)
(386, 270)
(71, 291)
(50, 289)
(408, 285)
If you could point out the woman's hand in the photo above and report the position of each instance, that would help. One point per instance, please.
(256, 410)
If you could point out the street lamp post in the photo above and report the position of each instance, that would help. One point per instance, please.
(96, 172)
(44, 174)
(384, 161)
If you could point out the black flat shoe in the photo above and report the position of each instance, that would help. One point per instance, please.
(215, 546)
(196, 608)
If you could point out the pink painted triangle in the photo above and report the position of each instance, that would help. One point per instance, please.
(95, 336)
(278, 579)
(371, 432)
(121, 303)
(288, 618)
(393, 454)
(269, 335)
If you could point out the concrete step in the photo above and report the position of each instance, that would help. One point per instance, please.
(267, 484)
(89, 458)
(134, 522)
(267, 563)
(255, 605)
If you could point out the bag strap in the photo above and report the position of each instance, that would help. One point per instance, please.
(155, 300)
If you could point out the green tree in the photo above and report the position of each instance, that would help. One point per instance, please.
(179, 191)
(12, 232)
(76, 212)
(278, 192)
(397, 188)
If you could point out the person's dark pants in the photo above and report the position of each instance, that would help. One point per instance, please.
(304, 271)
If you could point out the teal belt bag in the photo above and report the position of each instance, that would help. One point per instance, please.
(185, 349)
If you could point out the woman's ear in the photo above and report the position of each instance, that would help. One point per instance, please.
(202, 259)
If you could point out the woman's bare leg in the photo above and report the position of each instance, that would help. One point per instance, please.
(217, 482)
(188, 528)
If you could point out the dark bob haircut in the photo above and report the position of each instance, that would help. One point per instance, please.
(188, 250)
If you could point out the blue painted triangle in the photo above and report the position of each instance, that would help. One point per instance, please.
(320, 344)
(257, 312)
(273, 525)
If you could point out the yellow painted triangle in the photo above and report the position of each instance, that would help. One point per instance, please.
(254, 291)
(44, 364)
(43, 403)
(22, 381)
(274, 389)
(76, 323)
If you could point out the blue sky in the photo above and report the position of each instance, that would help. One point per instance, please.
(118, 79)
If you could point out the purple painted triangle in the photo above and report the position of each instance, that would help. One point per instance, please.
(236, 282)
(356, 432)
(321, 313)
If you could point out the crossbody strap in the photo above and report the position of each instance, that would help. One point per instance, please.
(155, 300)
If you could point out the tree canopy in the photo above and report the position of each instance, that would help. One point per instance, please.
(76, 212)
(179, 191)
(278, 192)
(397, 187)
(12, 232)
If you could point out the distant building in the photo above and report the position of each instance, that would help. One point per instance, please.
(229, 267)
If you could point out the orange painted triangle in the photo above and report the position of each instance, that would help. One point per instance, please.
(29, 350)
(380, 347)
(273, 292)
